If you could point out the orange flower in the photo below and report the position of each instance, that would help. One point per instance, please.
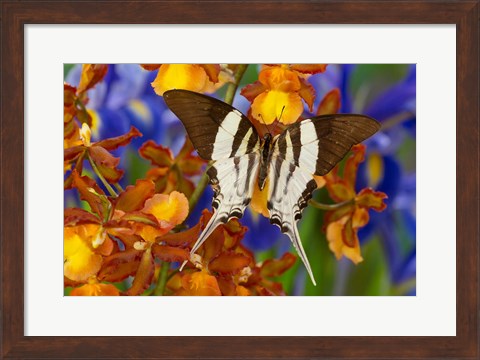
(194, 77)
(94, 288)
(342, 224)
(137, 218)
(172, 173)
(160, 214)
(223, 266)
(199, 283)
(91, 75)
(74, 100)
(279, 92)
(169, 211)
(98, 153)
(330, 103)
(84, 246)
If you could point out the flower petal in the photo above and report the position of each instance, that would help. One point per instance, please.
(276, 267)
(212, 71)
(200, 283)
(95, 290)
(179, 76)
(144, 275)
(120, 265)
(360, 217)
(80, 260)
(337, 244)
(229, 262)
(170, 253)
(122, 140)
(351, 165)
(185, 238)
(150, 67)
(242, 291)
(171, 208)
(134, 196)
(277, 105)
(189, 163)
(251, 91)
(309, 68)
(330, 103)
(259, 199)
(371, 199)
(76, 216)
(157, 154)
(106, 163)
(91, 75)
(279, 78)
(307, 92)
(340, 191)
(91, 193)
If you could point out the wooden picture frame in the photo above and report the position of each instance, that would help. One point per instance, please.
(14, 15)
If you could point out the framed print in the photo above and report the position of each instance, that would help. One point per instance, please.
(130, 195)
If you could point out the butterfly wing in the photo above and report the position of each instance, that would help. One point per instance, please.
(316, 145)
(216, 129)
(220, 133)
(310, 147)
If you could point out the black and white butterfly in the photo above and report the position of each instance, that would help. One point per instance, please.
(241, 159)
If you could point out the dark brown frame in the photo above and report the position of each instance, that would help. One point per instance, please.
(16, 14)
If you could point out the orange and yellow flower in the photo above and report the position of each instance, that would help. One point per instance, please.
(342, 224)
(279, 92)
(172, 173)
(195, 77)
(94, 288)
(222, 266)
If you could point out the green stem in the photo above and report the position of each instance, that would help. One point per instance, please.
(162, 279)
(330, 206)
(80, 104)
(119, 187)
(202, 184)
(232, 87)
(100, 176)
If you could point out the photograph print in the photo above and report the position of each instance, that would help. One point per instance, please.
(239, 179)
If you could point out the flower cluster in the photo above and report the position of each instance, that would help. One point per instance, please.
(137, 199)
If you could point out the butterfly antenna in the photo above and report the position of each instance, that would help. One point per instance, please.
(281, 113)
(264, 123)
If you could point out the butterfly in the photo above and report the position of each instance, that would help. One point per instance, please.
(241, 159)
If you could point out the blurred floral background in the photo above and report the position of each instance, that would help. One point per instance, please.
(136, 194)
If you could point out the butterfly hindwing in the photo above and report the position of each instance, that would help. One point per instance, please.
(310, 147)
(289, 191)
(232, 180)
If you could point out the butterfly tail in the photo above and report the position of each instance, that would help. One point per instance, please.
(295, 238)
(214, 222)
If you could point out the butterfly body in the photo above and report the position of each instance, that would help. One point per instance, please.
(266, 150)
(241, 159)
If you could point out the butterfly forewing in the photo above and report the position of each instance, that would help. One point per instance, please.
(216, 129)
(316, 145)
